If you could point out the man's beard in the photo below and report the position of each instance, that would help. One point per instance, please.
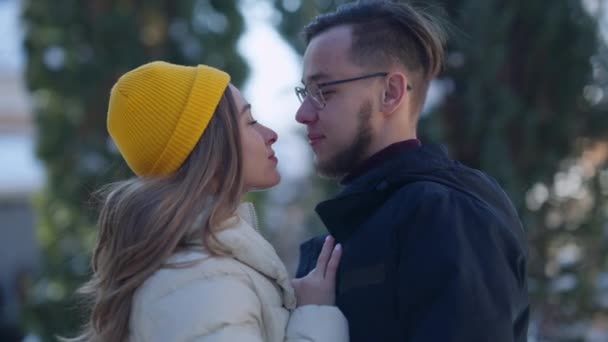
(349, 158)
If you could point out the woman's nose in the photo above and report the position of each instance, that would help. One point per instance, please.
(271, 135)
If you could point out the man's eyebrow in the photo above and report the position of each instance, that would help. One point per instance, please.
(316, 77)
(245, 108)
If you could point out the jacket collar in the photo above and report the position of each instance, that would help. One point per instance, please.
(249, 247)
(347, 210)
(380, 157)
(239, 235)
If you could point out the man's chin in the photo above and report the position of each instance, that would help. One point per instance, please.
(328, 170)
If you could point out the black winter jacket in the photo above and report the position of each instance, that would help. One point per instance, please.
(432, 251)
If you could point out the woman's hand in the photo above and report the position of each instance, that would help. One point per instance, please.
(319, 286)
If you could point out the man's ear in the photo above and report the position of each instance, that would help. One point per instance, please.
(395, 92)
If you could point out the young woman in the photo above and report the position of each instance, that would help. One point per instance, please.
(179, 257)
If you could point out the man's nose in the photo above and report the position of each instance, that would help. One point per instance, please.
(306, 113)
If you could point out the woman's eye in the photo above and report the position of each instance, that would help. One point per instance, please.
(253, 122)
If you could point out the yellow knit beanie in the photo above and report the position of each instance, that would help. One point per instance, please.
(159, 111)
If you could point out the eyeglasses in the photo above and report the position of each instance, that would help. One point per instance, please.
(315, 91)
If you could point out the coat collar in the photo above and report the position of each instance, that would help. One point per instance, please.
(245, 243)
(240, 236)
(347, 210)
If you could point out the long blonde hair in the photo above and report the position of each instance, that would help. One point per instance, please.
(144, 220)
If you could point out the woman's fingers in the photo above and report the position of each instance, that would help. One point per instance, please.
(324, 256)
(318, 287)
(332, 264)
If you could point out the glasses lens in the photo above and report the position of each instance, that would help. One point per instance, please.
(318, 99)
(301, 93)
(317, 96)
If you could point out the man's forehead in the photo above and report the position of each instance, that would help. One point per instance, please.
(321, 71)
(327, 55)
(315, 76)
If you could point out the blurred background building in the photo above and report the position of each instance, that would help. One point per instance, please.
(21, 175)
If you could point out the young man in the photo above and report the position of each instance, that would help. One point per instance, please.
(432, 250)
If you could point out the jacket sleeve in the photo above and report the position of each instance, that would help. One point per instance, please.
(455, 272)
(318, 323)
(223, 308)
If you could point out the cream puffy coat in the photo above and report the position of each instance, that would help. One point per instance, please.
(246, 297)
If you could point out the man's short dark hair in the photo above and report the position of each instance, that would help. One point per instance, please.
(389, 33)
